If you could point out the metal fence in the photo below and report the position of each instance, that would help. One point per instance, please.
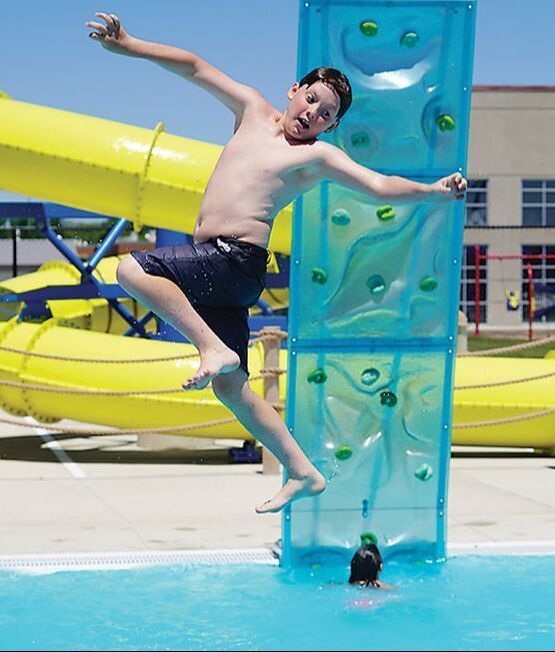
(23, 249)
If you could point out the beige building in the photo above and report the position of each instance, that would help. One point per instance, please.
(511, 202)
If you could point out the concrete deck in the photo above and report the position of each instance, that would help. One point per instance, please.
(67, 493)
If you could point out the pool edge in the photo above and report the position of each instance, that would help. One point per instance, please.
(54, 562)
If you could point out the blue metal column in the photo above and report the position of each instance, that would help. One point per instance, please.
(374, 299)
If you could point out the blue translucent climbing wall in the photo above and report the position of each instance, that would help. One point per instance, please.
(374, 302)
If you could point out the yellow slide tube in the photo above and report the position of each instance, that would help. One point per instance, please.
(179, 407)
(121, 411)
(91, 314)
(505, 401)
(148, 177)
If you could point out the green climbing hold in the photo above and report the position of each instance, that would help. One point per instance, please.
(445, 122)
(368, 539)
(317, 376)
(341, 218)
(376, 284)
(343, 452)
(388, 398)
(369, 376)
(424, 472)
(369, 28)
(360, 139)
(410, 39)
(319, 275)
(428, 284)
(385, 213)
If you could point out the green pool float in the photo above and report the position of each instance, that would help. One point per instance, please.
(317, 376)
(368, 28)
(385, 213)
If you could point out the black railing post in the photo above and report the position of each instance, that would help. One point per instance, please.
(14, 250)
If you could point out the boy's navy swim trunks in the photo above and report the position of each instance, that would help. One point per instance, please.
(222, 278)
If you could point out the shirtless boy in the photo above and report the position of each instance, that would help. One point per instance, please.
(204, 289)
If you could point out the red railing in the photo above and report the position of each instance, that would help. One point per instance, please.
(479, 257)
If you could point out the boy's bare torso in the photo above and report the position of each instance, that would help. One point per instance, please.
(259, 172)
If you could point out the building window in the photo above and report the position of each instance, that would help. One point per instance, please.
(477, 203)
(543, 274)
(468, 283)
(538, 202)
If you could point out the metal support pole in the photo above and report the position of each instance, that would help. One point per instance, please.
(15, 235)
(270, 463)
(530, 299)
(477, 290)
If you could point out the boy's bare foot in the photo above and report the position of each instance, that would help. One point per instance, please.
(212, 363)
(292, 490)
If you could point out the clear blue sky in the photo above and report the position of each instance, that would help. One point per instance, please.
(47, 58)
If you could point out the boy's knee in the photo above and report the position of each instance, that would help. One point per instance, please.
(229, 389)
(126, 268)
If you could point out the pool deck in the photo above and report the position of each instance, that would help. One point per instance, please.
(68, 493)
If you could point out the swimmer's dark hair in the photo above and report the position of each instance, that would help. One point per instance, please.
(365, 565)
(337, 80)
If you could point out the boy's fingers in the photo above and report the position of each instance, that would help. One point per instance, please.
(99, 27)
(109, 23)
(116, 25)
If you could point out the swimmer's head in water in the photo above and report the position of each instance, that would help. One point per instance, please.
(366, 565)
(318, 102)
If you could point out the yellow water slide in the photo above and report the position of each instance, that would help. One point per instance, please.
(134, 368)
(121, 383)
(148, 177)
(91, 314)
(157, 179)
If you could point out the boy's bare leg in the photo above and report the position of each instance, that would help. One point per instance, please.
(166, 300)
(265, 424)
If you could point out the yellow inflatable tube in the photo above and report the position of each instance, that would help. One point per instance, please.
(149, 177)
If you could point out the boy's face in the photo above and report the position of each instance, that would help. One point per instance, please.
(312, 110)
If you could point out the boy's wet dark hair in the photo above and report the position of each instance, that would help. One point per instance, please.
(336, 80)
(365, 565)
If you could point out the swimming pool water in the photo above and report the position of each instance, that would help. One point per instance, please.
(471, 603)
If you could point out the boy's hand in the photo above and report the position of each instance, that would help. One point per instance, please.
(451, 187)
(112, 36)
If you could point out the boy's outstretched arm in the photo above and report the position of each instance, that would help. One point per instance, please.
(339, 167)
(114, 38)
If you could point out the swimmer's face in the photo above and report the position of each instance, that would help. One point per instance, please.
(312, 110)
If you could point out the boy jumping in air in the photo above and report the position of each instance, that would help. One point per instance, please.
(205, 289)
